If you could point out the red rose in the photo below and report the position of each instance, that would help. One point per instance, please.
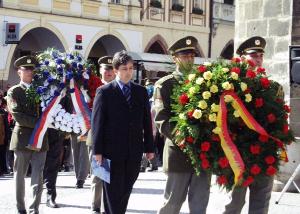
(259, 102)
(190, 114)
(260, 70)
(271, 118)
(236, 70)
(186, 81)
(285, 128)
(182, 145)
(265, 82)
(286, 116)
(205, 164)
(247, 91)
(271, 171)
(279, 144)
(223, 162)
(248, 181)
(251, 62)
(205, 146)
(215, 138)
(189, 139)
(202, 156)
(255, 169)
(263, 138)
(222, 180)
(270, 159)
(183, 99)
(236, 60)
(287, 108)
(202, 68)
(255, 149)
(250, 74)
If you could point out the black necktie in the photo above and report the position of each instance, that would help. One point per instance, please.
(127, 93)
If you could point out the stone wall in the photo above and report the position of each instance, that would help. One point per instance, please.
(271, 19)
(278, 21)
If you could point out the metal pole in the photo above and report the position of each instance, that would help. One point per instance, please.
(289, 183)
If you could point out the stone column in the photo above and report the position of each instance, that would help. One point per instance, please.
(273, 20)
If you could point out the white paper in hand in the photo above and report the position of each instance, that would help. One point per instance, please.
(101, 171)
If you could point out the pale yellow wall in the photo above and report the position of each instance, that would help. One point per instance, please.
(225, 33)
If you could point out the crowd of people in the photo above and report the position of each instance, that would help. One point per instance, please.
(130, 126)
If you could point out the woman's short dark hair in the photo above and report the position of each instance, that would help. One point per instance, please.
(121, 58)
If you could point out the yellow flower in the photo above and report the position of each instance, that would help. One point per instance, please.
(248, 98)
(228, 98)
(199, 80)
(225, 70)
(214, 89)
(215, 108)
(206, 95)
(244, 86)
(226, 85)
(191, 77)
(217, 130)
(182, 116)
(202, 104)
(192, 90)
(234, 75)
(197, 114)
(207, 75)
(236, 113)
(212, 117)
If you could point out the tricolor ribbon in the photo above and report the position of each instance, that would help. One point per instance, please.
(37, 136)
(81, 108)
(235, 160)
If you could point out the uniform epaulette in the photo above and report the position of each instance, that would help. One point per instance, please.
(162, 80)
(11, 89)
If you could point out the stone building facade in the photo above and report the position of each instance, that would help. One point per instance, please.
(278, 21)
(107, 26)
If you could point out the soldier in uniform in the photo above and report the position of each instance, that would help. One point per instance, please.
(25, 113)
(260, 193)
(107, 75)
(182, 179)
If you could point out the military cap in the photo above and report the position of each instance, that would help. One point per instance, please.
(185, 44)
(105, 61)
(26, 61)
(252, 45)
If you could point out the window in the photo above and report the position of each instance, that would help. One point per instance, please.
(197, 4)
(229, 2)
(116, 1)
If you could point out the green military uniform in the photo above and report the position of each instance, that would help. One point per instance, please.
(174, 160)
(260, 192)
(26, 115)
(182, 180)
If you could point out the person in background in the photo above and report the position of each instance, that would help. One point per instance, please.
(26, 113)
(121, 132)
(182, 179)
(53, 159)
(153, 162)
(3, 137)
(107, 75)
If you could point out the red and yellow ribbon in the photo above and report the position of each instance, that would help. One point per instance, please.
(229, 148)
